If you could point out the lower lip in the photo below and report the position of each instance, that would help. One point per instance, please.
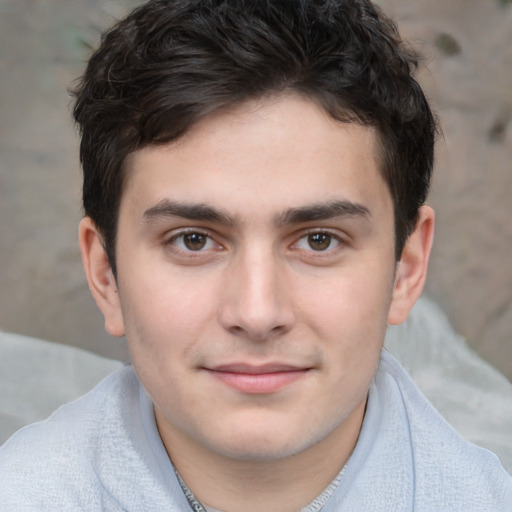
(260, 383)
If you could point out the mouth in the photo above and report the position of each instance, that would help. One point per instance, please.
(254, 379)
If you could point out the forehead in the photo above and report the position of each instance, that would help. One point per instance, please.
(269, 153)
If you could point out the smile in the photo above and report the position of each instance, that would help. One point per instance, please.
(258, 379)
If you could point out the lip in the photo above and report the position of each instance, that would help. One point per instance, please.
(258, 379)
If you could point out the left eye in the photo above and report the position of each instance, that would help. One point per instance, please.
(318, 242)
(193, 241)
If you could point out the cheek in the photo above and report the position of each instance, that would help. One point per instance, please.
(164, 318)
(350, 314)
(353, 297)
(163, 329)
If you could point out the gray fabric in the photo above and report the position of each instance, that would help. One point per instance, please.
(314, 506)
(408, 458)
(471, 395)
(103, 453)
(38, 376)
(91, 454)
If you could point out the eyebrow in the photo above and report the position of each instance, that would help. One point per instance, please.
(199, 212)
(307, 213)
(322, 211)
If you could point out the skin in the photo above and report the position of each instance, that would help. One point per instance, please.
(256, 278)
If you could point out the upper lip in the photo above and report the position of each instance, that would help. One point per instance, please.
(257, 369)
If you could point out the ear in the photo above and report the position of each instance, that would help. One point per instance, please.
(99, 275)
(412, 268)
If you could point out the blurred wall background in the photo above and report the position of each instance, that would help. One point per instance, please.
(467, 47)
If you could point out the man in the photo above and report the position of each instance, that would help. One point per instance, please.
(254, 182)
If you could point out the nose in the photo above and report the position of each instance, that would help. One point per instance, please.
(256, 302)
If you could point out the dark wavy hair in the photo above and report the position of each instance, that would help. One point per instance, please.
(171, 62)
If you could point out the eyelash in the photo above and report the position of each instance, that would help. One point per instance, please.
(211, 243)
(333, 238)
(182, 234)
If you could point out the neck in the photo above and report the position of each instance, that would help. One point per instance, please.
(286, 484)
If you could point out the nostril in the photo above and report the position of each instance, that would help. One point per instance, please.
(258, 334)
(235, 329)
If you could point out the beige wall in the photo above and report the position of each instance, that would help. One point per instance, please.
(468, 48)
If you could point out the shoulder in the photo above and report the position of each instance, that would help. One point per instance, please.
(448, 469)
(54, 461)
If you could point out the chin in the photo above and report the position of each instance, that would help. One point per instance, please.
(266, 446)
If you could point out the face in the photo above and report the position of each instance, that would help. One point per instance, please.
(256, 269)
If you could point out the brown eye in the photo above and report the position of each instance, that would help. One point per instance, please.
(193, 244)
(194, 241)
(319, 241)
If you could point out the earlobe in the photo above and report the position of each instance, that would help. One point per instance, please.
(412, 268)
(100, 278)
